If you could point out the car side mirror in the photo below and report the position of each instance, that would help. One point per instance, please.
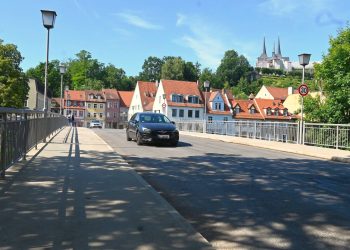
(173, 122)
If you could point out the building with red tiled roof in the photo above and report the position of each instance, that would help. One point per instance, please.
(112, 108)
(95, 107)
(125, 101)
(143, 97)
(179, 100)
(218, 107)
(275, 93)
(74, 104)
(56, 103)
(261, 109)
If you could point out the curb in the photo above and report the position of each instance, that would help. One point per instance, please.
(179, 220)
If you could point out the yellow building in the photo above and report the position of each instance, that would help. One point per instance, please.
(95, 107)
(293, 102)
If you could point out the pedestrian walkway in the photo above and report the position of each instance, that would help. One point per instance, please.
(76, 193)
(323, 153)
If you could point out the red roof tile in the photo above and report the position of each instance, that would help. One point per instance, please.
(263, 104)
(111, 94)
(125, 97)
(244, 113)
(96, 93)
(147, 92)
(279, 93)
(75, 95)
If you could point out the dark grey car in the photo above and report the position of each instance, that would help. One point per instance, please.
(151, 127)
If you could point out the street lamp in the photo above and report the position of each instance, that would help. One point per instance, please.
(48, 22)
(303, 61)
(67, 93)
(62, 71)
(206, 86)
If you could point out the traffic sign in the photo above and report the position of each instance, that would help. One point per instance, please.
(303, 90)
(163, 105)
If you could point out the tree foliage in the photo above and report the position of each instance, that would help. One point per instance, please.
(334, 71)
(173, 68)
(233, 67)
(13, 82)
(151, 69)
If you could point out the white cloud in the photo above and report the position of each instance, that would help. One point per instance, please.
(298, 7)
(138, 21)
(209, 42)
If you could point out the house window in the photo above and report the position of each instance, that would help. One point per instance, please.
(114, 115)
(285, 112)
(210, 119)
(116, 104)
(101, 106)
(95, 106)
(109, 104)
(181, 113)
(225, 119)
(68, 103)
(95, 115)
(88, 115)
(218, 106)
(190, 113)
(81, 113)
(75, 103)
(276, 111)
(75, 113)
(237, 109)
(177, 98)
(101, 115)
(174, 112)
(252, 110)
(108, 114)
(192, 99)
(89, 105)
(268, 111)
(196, 114)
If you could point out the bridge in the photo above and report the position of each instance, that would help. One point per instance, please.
(68, 187)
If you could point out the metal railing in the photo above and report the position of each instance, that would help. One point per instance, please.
(327, 135)
(21, 130)
(321, 135)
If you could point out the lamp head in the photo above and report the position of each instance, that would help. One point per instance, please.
(304, 59)
(49, 17)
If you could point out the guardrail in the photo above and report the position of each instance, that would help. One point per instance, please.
(321, 135)
(21, 130)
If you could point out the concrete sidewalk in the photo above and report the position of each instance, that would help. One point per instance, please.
(323, 153)
(77, 193)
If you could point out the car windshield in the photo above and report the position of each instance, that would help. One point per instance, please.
(154, 118)
(95, 121)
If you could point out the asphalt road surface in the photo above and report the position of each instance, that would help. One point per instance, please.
(241, 197)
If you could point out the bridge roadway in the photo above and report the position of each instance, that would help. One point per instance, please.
(77, 192)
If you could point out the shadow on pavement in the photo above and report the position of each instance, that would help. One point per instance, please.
(256, 203)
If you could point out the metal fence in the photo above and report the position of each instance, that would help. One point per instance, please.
(21, 130)
(324, 135)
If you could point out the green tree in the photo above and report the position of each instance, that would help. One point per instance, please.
(13, 82)
(233, 67)
(173, 68)
(113, 76)
(151, 69)
(53, 76)
(335, 74)
(191, 72)
(208, 75)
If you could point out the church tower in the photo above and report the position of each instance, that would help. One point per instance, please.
(264, 54)
(278, 54)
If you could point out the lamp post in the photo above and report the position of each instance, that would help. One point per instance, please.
(206, 86)
(48, 22)
(62, 71)
(67, 93)
(303, 61)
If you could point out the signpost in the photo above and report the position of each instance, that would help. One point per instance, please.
(303, 91)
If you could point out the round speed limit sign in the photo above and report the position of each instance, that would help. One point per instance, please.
(303, 90)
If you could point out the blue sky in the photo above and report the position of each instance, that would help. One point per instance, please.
(125, 33)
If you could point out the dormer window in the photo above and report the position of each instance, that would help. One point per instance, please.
(237, 109)
(217, 106)
(268, 111)
(91, 96)
(252, 110)
(192, 99)
(276, 111)
(177, 98)
(285, 112)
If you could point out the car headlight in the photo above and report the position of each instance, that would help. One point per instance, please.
(146, 130)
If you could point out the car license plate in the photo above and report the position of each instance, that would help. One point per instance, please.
(163, 136)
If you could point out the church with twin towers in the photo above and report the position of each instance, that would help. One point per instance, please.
(275, 61)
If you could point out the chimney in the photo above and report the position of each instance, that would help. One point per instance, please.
(290, 91)
(197, 82)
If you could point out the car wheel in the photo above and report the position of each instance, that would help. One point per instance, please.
(127, 136)
(138, 139)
